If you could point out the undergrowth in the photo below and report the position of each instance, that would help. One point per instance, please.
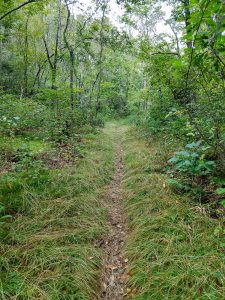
(175, 249)
(48, 248)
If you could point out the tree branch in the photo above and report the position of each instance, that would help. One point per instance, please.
(47, 52)
(18, 7)
(165, 53)
(218, 57)
(67, 25)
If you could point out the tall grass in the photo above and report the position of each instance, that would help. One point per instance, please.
(174, 248)
(50, 250)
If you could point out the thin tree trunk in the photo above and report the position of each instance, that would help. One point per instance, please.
(187, 15)
(98, 104)
(72, 56)
(25, 75)
(53, 59)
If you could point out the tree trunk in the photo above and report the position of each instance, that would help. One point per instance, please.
(98, 104)
(25, 75)
(187, 15)
(72, 79)
(72, 57)
(53, 59)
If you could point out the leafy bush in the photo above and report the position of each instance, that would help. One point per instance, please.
(221, 193)
(9, 126)
(97, 121)
(21, 116)
(191, 169)
(192, 161)
(54, 98)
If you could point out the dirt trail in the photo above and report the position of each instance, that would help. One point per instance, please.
(114, 274)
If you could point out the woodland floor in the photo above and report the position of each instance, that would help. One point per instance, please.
(111, 228)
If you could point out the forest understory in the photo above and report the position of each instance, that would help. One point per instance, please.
(112, 149)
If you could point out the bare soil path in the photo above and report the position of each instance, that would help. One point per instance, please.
(114, 274)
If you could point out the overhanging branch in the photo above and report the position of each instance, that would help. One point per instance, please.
(18, 7)
(165, 53)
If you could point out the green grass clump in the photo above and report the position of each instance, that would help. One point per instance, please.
(11, 149)
(174, 248)
(15, 143)
(48, 249)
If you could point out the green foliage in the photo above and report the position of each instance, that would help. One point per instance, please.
(33, 120)
(220, 191)
(56, 98)
(192, 161)
(20, 116)
(183, 92)
(192, 170)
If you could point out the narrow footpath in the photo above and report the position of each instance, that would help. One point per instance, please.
(114, 273)
(159, 245)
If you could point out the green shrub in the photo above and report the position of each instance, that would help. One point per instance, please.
(192, 161)
(192, 169)
(21, 116)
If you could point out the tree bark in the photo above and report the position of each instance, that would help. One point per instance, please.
(187, 15)
(72, 56)
(26, 58)
(98, 104)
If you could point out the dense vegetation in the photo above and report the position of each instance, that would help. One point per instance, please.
(66, 69)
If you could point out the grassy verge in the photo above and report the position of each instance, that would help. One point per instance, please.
(48, 248)
(174, 249)
(12, 147)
